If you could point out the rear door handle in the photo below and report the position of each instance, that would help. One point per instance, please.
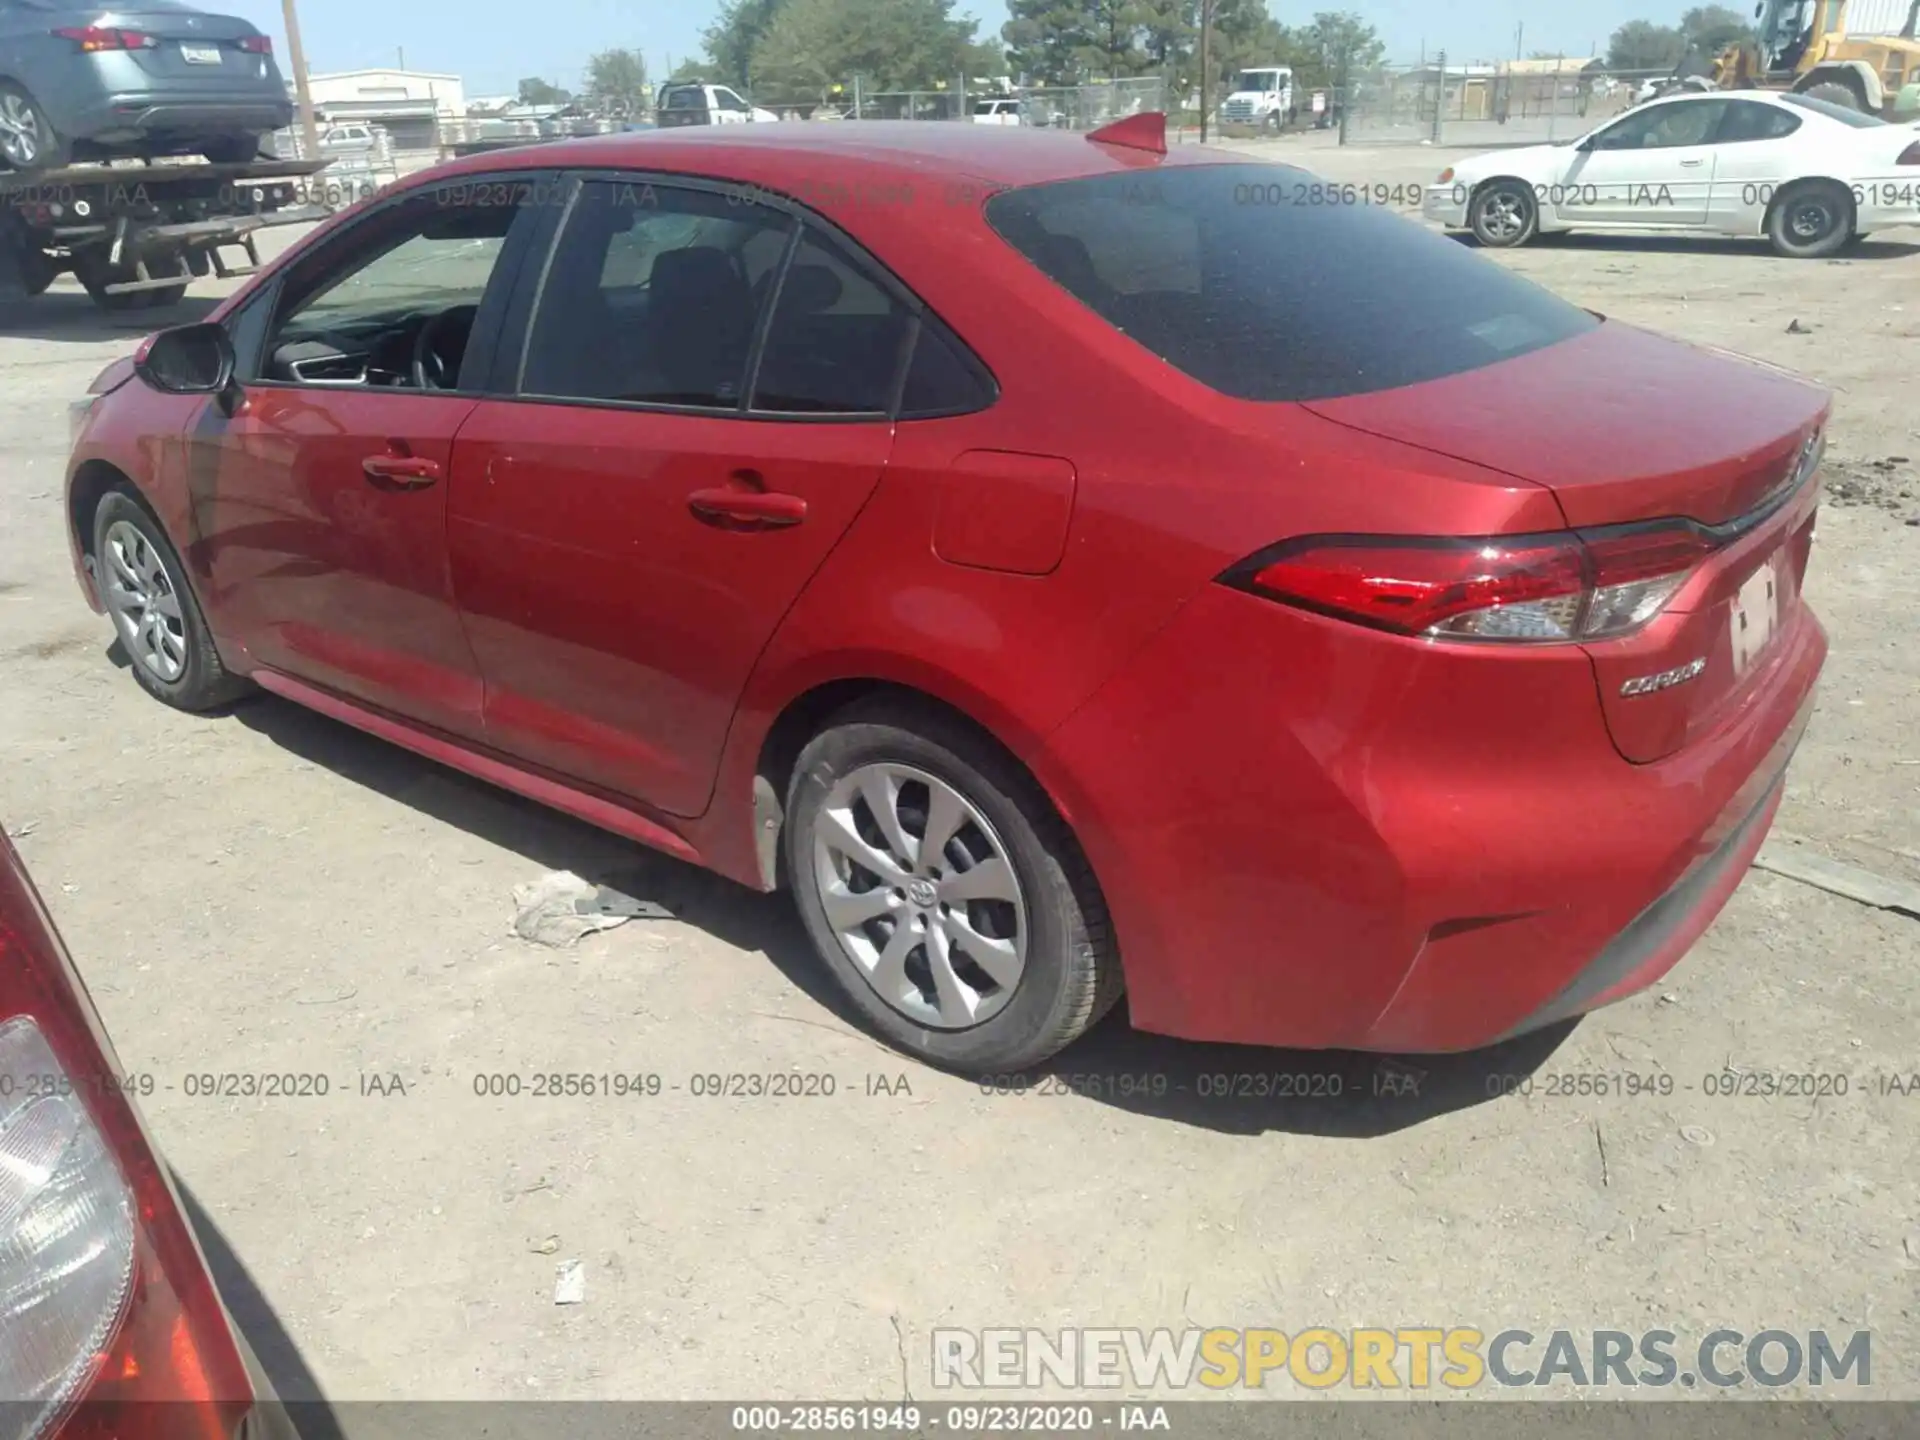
(409, 472)
(760, 508)
(1691, 164)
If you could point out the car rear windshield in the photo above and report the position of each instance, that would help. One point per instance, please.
(1859, 120)
(1267, 283)
(686, 99)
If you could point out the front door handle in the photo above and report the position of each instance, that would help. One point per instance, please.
(409, 472)
(1691, 164)
(759, 508)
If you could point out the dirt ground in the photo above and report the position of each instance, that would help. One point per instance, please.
(269, 892)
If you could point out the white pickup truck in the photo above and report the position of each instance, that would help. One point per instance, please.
(698, 104)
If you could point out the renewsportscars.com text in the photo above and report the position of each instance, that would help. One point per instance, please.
(1415, 1357)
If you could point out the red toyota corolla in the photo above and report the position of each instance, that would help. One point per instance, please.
(1068, 566)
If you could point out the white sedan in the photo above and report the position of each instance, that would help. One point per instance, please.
(1808, 175)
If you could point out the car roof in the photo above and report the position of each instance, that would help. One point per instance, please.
(844, 156)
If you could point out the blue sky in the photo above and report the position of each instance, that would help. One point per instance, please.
(492, 43)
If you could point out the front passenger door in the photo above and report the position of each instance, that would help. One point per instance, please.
(321, 503)
(1653, 168)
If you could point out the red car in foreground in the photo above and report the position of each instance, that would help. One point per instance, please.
(1068, 565)
(112, 1326)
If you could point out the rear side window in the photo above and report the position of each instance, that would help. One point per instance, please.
(1749, 120)
(835, 343)
(652, 296)
(1217, 271)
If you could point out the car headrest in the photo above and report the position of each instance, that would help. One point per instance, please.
(811, 289)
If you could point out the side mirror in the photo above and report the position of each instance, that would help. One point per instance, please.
(190, 360)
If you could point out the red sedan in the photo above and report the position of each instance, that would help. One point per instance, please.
(1068, 565)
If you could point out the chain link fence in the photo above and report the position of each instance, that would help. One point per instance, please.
(1525, 102)
(1071, 107)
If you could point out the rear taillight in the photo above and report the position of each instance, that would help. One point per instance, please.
(105, 37)
(257, 44)
(1526, 589)
(105, 1301)
(1910, 155)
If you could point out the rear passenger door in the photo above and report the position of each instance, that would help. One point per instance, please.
(700, 404)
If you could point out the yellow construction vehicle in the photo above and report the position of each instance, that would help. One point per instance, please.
(1802, 47)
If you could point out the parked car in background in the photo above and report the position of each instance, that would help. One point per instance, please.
(1808, 175)
(997, 112)
(111, 1311)
(87, 82)
(340, 142)
(699, 104)
(1060, 568)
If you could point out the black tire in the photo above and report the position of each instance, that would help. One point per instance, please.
(96, 277)
(204, 683)
(1502, 214)
(1834, 93)
(1274, 122)
(232, 150)
(37, 273)
(1811, 220)
(1071, 977)
(47, 150)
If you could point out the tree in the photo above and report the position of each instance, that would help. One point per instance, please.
(1643, 45)
(1908, 30)
(732, 38)
(813, 45)
(1046, 39)
(535, 91)
(1712, 28)
(617, 81)
(692, 69)
(1334, 46)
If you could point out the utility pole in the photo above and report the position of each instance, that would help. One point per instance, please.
(297, 58)
(1519, 41)
(1206, 65)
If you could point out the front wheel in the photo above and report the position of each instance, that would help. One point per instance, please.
(1811, 221)
(154, 610)
(1503, 214)
(944, 893)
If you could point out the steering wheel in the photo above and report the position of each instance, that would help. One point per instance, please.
(432, 368)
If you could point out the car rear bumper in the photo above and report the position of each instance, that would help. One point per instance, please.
(1337, 839)
(162, 114)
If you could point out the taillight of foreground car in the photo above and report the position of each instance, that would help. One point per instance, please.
(1520, 589)
(257, 44)
(94, 38)
(109, 1324)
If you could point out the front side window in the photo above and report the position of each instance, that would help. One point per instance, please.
(728, 100)
(653, 296)
(1276, 301)
(392, 302)
(1664, 127)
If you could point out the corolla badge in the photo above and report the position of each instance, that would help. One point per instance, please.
(1666, 679)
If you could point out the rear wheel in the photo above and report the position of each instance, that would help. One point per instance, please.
(233, 150)
(28, 140)
(944, 893)
(1503, 214)
(96, 276)
(1811, 221)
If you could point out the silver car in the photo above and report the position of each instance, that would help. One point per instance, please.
(82, 82)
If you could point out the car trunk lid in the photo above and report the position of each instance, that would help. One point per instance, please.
(195, 48)
(1628, 427)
